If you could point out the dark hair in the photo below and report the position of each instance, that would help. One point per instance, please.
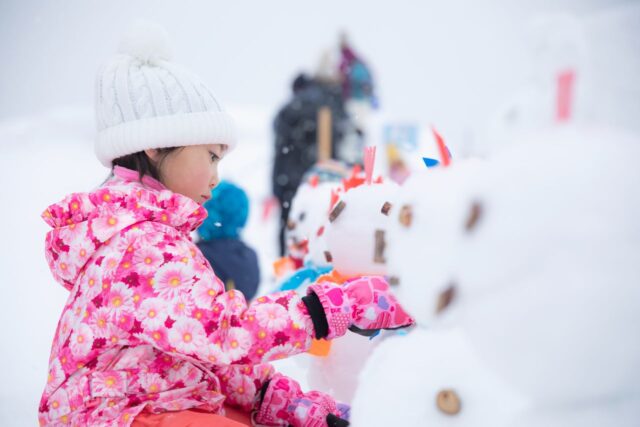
(142, 164)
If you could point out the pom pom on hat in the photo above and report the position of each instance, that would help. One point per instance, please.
(228, 211)
(146, 41)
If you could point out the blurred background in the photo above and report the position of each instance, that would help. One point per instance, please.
(451, 63)
(479, 71)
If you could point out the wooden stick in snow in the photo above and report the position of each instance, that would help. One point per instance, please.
(324, 134)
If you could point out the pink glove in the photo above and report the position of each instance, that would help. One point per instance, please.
(364, 306)
(282, 403)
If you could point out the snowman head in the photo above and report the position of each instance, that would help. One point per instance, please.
(310, 206)
(426, 228)
(309, 209)
(357, 227)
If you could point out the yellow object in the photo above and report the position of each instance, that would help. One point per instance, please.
(393, 154)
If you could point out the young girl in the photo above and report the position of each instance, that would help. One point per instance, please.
(148, 335)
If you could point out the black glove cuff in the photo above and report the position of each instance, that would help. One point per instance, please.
(334, 421)
(263, 390)
(318, 316)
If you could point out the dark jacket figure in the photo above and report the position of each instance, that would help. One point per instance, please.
(295, 131)
(232, 260)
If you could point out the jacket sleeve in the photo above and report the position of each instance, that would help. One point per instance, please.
(241, 384)
(180, 306)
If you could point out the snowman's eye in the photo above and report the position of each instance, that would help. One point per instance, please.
(302, 216)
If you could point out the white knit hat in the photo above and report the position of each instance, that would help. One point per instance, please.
(144, 101)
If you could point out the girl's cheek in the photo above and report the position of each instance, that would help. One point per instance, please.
(205, 176)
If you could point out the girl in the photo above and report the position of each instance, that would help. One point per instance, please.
(148, 335)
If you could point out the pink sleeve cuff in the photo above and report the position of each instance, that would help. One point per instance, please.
(336, 307)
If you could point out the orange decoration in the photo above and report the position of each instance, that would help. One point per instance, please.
(333, 277)
(320, 347)
(283, 266)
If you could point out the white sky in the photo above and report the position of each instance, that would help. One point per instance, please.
(444, 62)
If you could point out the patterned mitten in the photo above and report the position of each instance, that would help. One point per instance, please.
(282, 403)
(364, 306)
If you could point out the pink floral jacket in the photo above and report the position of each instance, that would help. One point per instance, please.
(147, 323)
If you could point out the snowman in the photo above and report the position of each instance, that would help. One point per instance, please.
(548, 277)
(530, 270)
(354, 235)
(434, 378)
(355, 240)
(305, 259)
(309, 209)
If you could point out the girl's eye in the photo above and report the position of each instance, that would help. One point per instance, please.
(214, 157)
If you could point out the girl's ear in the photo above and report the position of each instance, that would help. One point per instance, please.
(152, 154)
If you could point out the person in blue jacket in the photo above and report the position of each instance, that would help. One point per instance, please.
(235, 263)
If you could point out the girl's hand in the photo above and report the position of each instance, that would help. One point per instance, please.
(282, 403)
(364, 306)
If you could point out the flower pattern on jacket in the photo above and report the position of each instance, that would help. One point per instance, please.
(147, 324)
